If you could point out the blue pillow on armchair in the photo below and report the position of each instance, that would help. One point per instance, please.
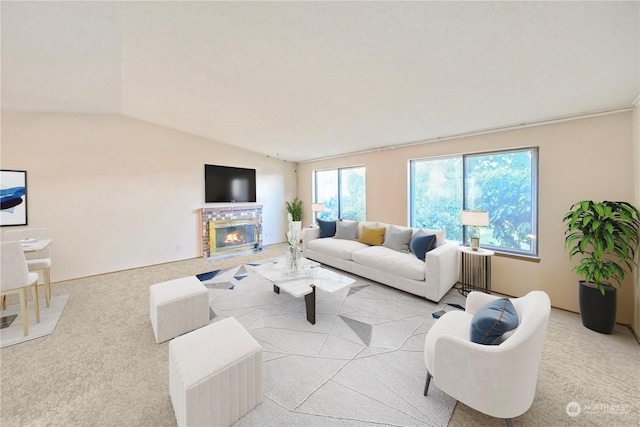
(327, 228)
(492, 320)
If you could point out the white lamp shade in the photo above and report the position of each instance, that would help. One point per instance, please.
(317, 207)
(475, 218)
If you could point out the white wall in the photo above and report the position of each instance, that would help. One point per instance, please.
(118, 193)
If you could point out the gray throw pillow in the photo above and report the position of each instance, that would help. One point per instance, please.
(347, 230)
(397, 239)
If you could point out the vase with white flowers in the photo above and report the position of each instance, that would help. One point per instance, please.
(293, 240)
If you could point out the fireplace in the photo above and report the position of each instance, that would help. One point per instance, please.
(233, 235)
(218, 214)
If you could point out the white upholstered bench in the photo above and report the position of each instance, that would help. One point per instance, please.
(215, 374)
(178, 306)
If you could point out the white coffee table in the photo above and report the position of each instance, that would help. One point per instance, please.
(303, 281)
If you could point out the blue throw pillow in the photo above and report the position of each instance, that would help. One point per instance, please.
(421, 243)
(492, 320)
(327, 228)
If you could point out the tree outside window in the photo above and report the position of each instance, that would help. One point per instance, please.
(436, 195)
(343, 192)
(502, 183)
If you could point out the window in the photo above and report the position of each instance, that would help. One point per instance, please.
(436, 195)
(343, 193)
(503, 183)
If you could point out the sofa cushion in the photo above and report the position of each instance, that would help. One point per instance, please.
(421, 243)
(362, 224)
(492, 320)
(387, 226)
(372, 236)
(338, 248)
(390, 261)
(327, 228)
(398, 238)
(347, 230)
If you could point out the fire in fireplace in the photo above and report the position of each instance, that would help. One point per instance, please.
(233, 238)
(233, 235)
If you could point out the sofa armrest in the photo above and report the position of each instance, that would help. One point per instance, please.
(442, 270)
(309, 234)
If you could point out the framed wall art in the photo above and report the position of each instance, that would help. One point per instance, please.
(13, 197)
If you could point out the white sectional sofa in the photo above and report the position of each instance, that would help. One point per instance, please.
(431, 278)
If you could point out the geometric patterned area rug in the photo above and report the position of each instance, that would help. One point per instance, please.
(361, 364)
(49, 317)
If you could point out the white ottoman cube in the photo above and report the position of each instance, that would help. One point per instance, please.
(215, 374)
(178, 306)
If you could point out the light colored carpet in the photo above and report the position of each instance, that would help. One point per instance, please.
(49, 316)
(102, 367)
(362, 362)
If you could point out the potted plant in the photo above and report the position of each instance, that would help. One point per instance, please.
(295, 209)
(606, 235)
(293, 235)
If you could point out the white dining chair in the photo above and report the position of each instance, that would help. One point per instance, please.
(36, 261)
(15, 278)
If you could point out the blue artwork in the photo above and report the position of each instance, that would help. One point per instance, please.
(13, 197)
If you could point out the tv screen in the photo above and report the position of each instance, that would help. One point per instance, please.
(229, 184)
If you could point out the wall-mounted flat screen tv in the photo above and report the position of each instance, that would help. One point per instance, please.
(229, 184)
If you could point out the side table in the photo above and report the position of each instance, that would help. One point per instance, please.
(475, 270)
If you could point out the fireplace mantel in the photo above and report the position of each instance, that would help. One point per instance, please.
(227, 211)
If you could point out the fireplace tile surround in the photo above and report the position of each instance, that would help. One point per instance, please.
(227, 212)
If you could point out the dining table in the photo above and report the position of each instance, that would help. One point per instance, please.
(33, 245)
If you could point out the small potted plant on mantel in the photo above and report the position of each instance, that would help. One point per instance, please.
(606, 235)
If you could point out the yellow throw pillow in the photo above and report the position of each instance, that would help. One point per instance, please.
(372, 236)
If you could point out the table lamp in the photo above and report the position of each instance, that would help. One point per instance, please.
(315, 208)
(475, 219)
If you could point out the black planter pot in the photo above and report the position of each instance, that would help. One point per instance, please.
(598, 312)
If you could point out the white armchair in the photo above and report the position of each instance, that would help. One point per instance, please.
(497, 380)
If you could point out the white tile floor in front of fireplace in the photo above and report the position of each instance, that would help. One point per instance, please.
(361, 363)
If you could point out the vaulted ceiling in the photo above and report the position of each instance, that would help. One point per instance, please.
(307, 80)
